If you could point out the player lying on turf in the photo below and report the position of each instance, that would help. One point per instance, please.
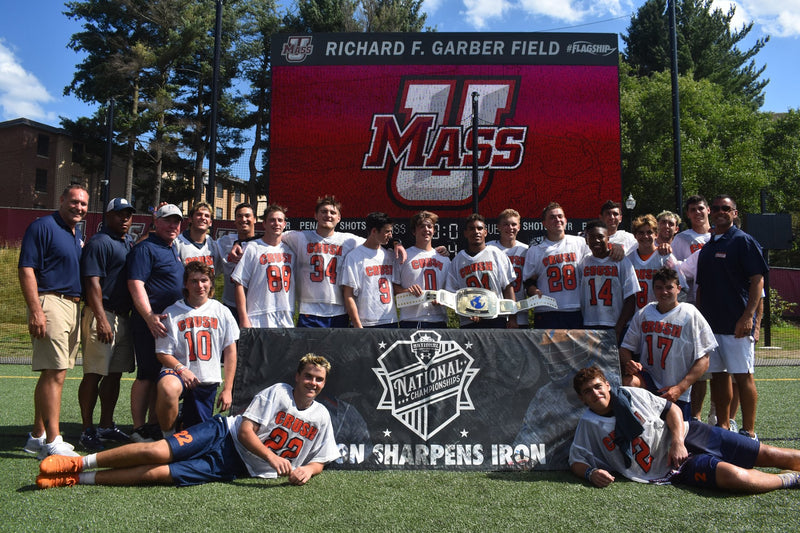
(644, 438)
(283, 432)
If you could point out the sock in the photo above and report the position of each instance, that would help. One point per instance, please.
(86, 478)
(790, 479)
(90, 461)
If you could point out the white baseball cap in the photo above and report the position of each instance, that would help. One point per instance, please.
(168, 211)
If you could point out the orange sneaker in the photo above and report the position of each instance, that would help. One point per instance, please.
(57, 464)
(49, 481)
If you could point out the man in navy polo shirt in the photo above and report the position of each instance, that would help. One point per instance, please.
(50, 278)
(730, 281)
(105, 326)
(155, 281)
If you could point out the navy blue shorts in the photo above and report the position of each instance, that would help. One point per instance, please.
(683, 405)
(198, 403)
(204, 453)
(314, 321)
(708, 445)
(414, 324)
(558, 320)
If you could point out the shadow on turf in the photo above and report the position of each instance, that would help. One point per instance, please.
(14, 438)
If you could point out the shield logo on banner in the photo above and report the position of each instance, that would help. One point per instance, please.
(425, 382)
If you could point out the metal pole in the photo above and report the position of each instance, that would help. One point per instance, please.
(475, 152)
(767, 322)
(676, 112)
(212, 127)
(109, 155)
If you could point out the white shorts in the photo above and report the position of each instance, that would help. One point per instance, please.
(278, 319)
(734, 356)
(101, 358)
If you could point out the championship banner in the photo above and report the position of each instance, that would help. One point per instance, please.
(384, 121)
(448, 399)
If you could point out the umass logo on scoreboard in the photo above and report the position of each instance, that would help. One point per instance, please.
(425, 382)
(426, 145)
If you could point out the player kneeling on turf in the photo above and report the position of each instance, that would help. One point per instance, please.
(283, 432)
(644, 438)
(199, 331)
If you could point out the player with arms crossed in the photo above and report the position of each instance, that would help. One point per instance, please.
(551, 269)
(608, 288)
(424, 270)
(484, 267)
(673, 341)
(199, 331)
(263, 277)
(508, 222)
(643, 437)
(367, 278)
(283, 432)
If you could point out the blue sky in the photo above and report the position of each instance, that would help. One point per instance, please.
(36, 65)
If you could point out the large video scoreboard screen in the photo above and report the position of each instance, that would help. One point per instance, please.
(385, 122)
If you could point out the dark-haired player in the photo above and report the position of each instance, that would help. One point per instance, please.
(644, 438)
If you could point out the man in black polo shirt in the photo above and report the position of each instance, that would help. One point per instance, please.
(105, 328)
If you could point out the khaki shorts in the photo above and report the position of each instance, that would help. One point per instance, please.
(101, 358)
(58, 349)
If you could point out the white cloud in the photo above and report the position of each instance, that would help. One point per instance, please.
(478, 12)
(21, 93)
(430, 6)
(779, 19)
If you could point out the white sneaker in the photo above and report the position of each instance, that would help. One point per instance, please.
(34, 444)
(57, 447)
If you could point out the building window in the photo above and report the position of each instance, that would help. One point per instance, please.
(43, 145)
(218, 215)
(237, 196)
(41, 180)
(219, 190)
(77, 152)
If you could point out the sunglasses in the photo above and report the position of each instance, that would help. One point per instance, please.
(723, 208)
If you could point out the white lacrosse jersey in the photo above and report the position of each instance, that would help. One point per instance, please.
(196, 337)
(645, 268)
(369, 272)
(488, 269)
(516, 254)
(668, 344)
(428, 269)
(319, 269)
(188, 251)
(225, 244)
(301, 436)
(267, 272)
(594, 443)
(688, 242)
(555, 264)
(624, 239)
(605, 284)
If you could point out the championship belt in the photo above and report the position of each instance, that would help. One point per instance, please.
(472, 301)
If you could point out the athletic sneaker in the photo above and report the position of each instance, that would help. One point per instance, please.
(112, 433)
(747, 434)
(141, 434)
(61, 464)
(57, 447)
(90, 441)
(49, 481)
(34, 444)
(733, 425)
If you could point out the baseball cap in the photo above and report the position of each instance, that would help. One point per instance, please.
(119, 204)
(169, 210)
